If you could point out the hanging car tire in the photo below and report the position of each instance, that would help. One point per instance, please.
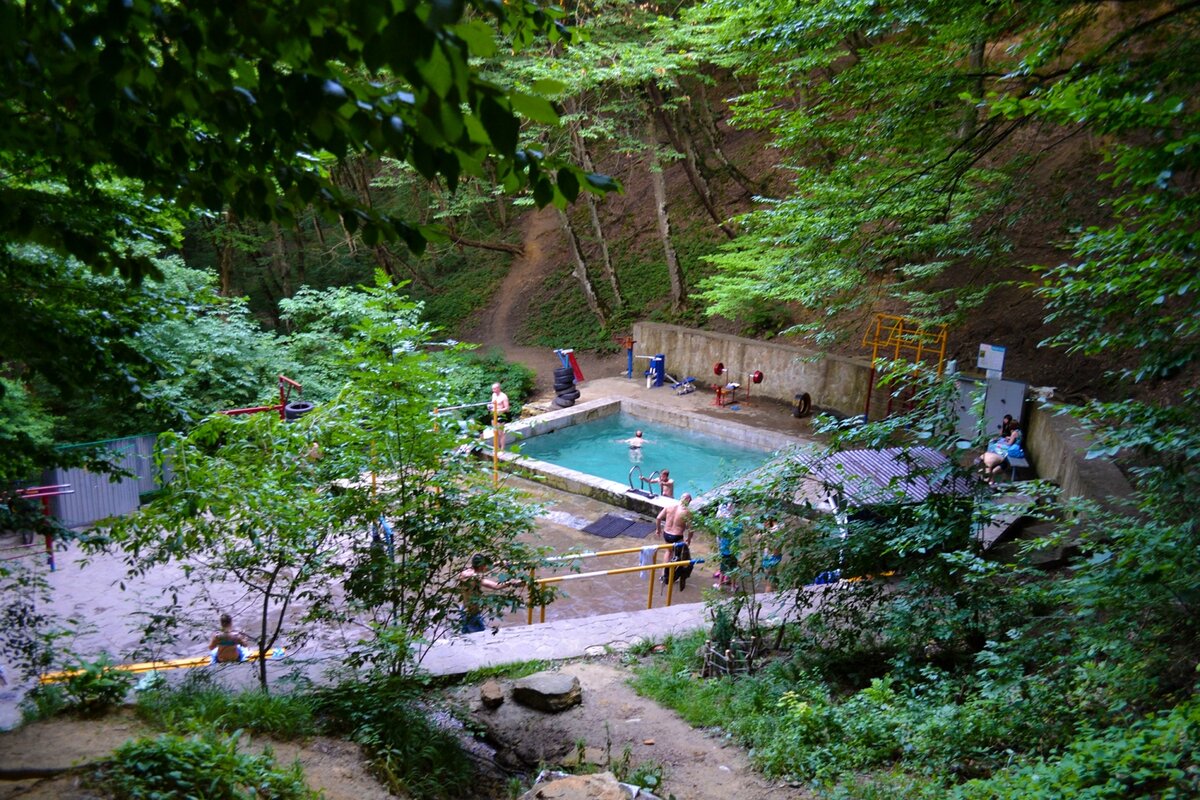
(298, 409)
(564, 372)
(573, 394)
(561, 403)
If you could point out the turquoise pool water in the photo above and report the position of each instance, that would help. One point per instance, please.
(698, 463)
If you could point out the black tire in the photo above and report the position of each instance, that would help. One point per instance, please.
(297, 409)
(561, 403)
(572, 394)
(564, 372)
(563, 385)
(802, 406)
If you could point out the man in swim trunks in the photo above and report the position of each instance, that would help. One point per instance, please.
(673, 521)
(472, 582)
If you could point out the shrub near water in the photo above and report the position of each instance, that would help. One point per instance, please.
(173, 767)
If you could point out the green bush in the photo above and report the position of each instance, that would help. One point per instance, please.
(1155, 756)
(413, 755)
(96, 687)
(208, 767)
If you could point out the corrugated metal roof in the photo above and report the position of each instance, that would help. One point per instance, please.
(891, 475)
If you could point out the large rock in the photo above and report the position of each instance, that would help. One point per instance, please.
(491, 694)
(548, 691)
(601, 786)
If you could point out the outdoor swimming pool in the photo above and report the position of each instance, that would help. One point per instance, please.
(698, 462)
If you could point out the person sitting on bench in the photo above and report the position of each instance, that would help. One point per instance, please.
(998, 453)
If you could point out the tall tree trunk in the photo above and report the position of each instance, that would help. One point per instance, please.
(225, 257)
(585, 160)
(301, 263)
(279, 260)
(708, 126)
(581, 270)
(678, 287)
(971, 113)
(659, 107)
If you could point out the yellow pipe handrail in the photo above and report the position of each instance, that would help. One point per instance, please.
(651, 567)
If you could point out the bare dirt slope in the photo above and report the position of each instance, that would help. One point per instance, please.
(499, 325)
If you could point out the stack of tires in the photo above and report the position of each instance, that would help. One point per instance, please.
(564, 387)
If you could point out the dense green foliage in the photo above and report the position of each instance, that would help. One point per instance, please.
(175, 768)
(390, 719)
(246, 106)
(199, 706)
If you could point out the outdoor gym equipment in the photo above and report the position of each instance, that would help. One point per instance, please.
(727, 393)
(43, 493)
(288, 411)
(655, 373)
(155, 666)
(902, 338)
(567, 357)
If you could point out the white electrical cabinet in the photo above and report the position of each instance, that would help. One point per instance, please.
(1000, 397)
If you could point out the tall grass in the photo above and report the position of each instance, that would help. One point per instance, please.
(194, 708)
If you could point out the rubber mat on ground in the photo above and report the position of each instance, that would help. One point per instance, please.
(639, 530)
(609, 526)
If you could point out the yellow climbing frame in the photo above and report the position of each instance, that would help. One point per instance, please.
(899, 338)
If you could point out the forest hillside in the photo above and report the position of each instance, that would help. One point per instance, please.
(197, 199)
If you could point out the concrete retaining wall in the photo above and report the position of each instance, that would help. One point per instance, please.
(1057, 443)
(1057, 449)
(833, 382)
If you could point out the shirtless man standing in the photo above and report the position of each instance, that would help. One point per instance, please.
(673, 522)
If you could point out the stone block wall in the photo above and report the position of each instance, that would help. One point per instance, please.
(1057, 443)
(1058, 447)
(834, 383)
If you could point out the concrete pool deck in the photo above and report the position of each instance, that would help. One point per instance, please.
(565, 513)
(592, 613)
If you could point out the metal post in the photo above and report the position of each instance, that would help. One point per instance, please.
(532, 585)
(495, 447)
(650, 575)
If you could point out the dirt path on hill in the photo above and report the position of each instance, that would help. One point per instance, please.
(499, 324)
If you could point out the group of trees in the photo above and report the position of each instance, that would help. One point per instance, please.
(917, 135)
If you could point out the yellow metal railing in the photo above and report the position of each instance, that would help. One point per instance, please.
(670, 566)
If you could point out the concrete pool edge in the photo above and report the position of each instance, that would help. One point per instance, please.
(612, 492)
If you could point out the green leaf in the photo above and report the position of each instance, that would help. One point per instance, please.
(535, 108)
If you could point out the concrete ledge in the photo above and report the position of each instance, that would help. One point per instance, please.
(1058, 446)
(833, 382)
